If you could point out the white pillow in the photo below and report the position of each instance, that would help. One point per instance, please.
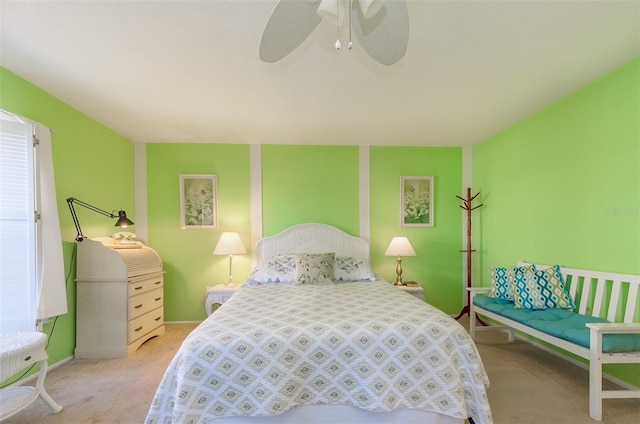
(279, 269)
(347, 268)
(315, 268)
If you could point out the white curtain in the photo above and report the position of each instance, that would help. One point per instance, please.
(52, 295)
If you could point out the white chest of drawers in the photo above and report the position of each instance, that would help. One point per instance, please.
(119, 298)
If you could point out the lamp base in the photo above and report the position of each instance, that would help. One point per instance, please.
(398, 272)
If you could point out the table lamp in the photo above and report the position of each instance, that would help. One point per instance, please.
(230, 244)
(399, 246)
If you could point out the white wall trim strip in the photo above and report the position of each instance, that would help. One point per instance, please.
(255, 165)
(140, 190)
(365, 193)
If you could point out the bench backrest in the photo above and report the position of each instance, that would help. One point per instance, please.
(607, 295)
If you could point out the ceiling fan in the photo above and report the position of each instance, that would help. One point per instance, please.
(380, 26)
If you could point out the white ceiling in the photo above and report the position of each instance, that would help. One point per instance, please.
(189, 71)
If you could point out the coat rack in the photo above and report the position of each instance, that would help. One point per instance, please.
(467, 206)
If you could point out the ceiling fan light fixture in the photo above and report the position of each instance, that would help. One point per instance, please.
(383, 36)
(370, 7)
(333, 11)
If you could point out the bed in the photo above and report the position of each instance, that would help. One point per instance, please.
(336, 345)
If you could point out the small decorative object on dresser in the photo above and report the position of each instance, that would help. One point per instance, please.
(120, 298)
(217, 295)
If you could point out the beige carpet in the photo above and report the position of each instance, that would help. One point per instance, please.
(528, 385)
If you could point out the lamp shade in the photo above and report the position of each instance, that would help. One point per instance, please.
(400, 246)
(229, 244)
(123, 221)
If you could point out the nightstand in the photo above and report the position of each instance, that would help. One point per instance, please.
(416, 291)
(218, 295)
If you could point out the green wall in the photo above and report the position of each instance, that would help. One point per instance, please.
(563, 186)
(187, 255)
(437, 266)
(92, 163)
(303, 184)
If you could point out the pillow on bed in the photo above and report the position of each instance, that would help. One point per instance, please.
(279, 269)
(315, 268)
(542, 290)
(347, 268)
(502, 282)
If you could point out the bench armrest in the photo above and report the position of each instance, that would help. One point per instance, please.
(479, 289)
(474, 291)
(614, 327)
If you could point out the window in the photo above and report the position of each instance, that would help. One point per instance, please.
(29, 228)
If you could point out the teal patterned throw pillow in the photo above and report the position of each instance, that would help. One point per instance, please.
(502, 282)
(542, 290)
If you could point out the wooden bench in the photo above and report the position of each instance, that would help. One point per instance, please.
(597, 294)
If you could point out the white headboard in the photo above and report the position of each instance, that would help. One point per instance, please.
(312, 238)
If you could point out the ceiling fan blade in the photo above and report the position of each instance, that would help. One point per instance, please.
(291, 22)
(385, 35)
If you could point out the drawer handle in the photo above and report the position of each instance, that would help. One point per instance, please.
(138, 306)
(27, 358)
(158, 319)
(157, 282)
(138, 288)
(158, 298)
(138, 329)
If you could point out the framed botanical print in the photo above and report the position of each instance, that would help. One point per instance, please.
(198, 201)
(416, 201)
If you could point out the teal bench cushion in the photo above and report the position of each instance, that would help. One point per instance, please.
(561, 323)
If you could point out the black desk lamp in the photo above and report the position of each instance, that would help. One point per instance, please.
(123, 221)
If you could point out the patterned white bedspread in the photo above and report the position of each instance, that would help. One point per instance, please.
(370, 345)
